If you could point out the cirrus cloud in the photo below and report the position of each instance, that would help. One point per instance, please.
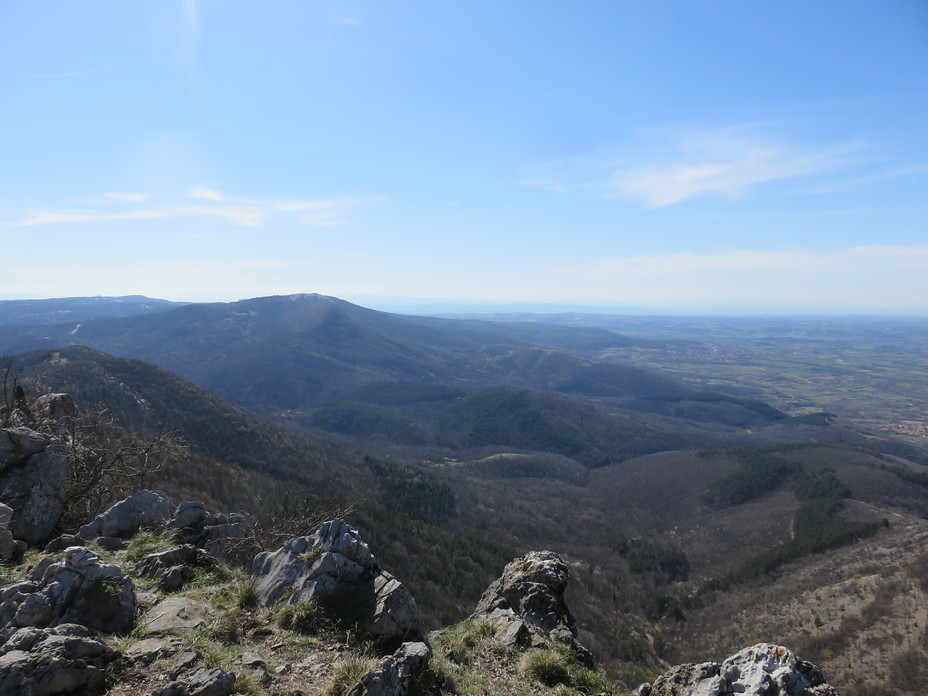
(673, 167)
(211, 203)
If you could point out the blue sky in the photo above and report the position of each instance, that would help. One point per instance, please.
(748, 156)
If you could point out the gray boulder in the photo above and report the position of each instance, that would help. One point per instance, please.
(215, 533)
(203, 682)
(173, 567)
(526, 605)
(62, 542)
(394, 676)
(337, 570)
(66, 659)
(141, 509)
(34, 475)
(761, 670)
(155, 564)
(175, 615)
(80, 589)
(54, 409)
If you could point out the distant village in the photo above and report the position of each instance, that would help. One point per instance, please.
(902, 429)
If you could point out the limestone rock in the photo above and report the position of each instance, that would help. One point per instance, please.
(761, 670)
(55, 409)
(148, 650)
(61, 660)
(141, 509)
(62, 542)
(18, 444)
(80, 589)
(155, 564)
(111, 543)
(175, 578)
(210, 531)
(336, 569)
(395, 674)
(34, 475)
(175, 615)
(203, 682)
(526, 604)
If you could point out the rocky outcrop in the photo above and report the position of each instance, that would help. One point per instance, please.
(79, 589)
(66, 659)
(337, 570)
(526, 605)
(762, 670)
(190, 522)
(173, 567)
(56, 410)
(34, 476)
(395, 674)
(141, 509)
(213, 532)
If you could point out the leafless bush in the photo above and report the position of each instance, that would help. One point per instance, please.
(295, 514)
(108, 463)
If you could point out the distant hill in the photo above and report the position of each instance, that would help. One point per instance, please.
(79, 309)
(322, 363)
(299, 350)
(143, 399)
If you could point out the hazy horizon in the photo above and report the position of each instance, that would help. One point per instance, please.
(463, 307)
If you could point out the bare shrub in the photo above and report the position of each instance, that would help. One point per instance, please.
(108, 464)
(296, 514)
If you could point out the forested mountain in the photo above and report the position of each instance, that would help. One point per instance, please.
(461, 443)
(323, 363)
(79, 309)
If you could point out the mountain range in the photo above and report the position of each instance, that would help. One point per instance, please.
(676, 505)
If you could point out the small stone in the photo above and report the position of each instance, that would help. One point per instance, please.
(251, 660)
(108, 543)
(175, 615)
(151, 649)
(62, 542)
(184, 662)
(175, 578)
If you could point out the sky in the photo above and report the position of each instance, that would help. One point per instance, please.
(673, 155)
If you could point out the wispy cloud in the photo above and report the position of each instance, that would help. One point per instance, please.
(729, 162)
(130, 197)
(236, 210)
(243, 216)
(56, 217)
(317, 213)
(205, 193)
(716, 163)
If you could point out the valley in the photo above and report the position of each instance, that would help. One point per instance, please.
(694, 473)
